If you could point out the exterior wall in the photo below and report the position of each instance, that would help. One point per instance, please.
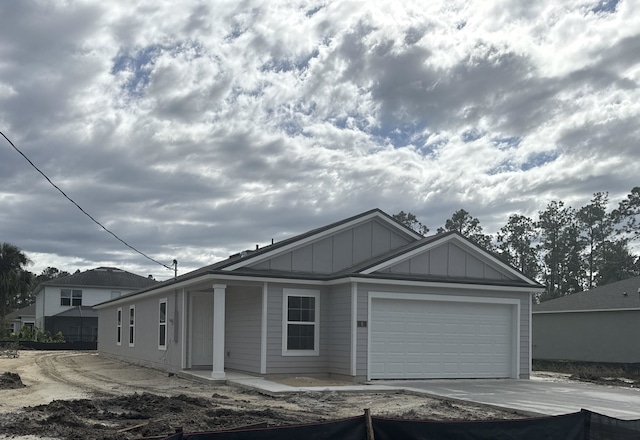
(363, 305)
(276, 362)
(604, 336)
(243, 310)
(48, 300)
(449, 260)
(147, 314)
(339, 323)
(337, 252)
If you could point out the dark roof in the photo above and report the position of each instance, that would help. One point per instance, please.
(79, 312)
(218, 268)
(102, 277)
(608, 297)
(25, 311)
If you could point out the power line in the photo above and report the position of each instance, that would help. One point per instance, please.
(85, 212)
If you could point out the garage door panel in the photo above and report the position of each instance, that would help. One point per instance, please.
(440, 339)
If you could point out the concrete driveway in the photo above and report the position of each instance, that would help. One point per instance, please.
(534, 395)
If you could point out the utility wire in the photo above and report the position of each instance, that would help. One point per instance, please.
(83, 211)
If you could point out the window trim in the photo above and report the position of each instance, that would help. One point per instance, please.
(71, 297)
(286, 293)
(162, 326)
(119, 326)
(132, 326)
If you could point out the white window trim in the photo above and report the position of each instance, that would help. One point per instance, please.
(161, 324)
(286, 293)
(119, 325)
(131, 326)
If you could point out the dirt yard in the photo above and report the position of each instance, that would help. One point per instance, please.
(82, 395)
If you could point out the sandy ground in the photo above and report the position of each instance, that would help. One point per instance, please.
(123, 401)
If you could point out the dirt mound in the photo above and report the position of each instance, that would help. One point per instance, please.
(10, 381)
(139, 415)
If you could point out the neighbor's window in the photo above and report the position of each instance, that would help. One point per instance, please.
(70, 297)
(162, 325)
(300, 322)
(119, 326)
(132, 325)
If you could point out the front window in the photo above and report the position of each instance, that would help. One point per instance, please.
(301, 326)
(162, 325)
(70, 297)
(132, 326)
(119, 326)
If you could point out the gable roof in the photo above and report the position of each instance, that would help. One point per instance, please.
(105, 277)
(249, 263)
(27, 311)
(608, 297)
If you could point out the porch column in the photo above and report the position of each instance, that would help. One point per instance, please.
(217, 372)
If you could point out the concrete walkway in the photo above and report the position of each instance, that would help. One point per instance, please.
(535, 396)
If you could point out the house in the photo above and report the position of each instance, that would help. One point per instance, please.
(65, 304)
(599, 325)
(363, 298)
(24, 317)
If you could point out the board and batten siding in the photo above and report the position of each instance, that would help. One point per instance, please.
(243, 315)
(340, 251)
(448, 260)
(147, 316)
(276, 362)
(339, 322)
(523, 298)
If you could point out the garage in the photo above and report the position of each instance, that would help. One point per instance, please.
(433, 336)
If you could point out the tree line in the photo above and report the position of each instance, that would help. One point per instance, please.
(566, 249)
(17, 284)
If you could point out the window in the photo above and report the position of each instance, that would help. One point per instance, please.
(300, 322)
(119, 327)
(162, 325)
(132, 325)
(70, 297)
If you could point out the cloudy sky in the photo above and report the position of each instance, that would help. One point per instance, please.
(197, 129)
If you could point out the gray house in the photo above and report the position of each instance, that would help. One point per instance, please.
(599, 325)
(65, 304)
(363, 298)
(24, 317)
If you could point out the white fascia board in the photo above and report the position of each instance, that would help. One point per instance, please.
(492, 287)
(161, 289)
(350, 279)
(318, 236)
(552, 312)
(433, 244)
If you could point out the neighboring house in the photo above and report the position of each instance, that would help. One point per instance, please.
(599, 325)
(65, 304)
(363, 298)
(24, 317)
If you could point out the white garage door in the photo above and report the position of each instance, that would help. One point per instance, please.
(440, 339)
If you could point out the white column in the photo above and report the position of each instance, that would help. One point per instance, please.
(217, 371)
(263, 333)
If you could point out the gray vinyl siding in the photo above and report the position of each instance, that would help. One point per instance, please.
(243, 315)
(363, 304)
(145, 350)
(596, 336)
(276, 362)
(340, 251)
(452, 261)
(339, 322)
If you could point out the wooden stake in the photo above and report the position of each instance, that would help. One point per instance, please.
(367, 417)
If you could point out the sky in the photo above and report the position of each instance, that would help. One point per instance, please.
(197, 129)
